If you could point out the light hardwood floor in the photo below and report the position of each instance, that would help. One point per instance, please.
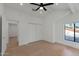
(13, 43)
(43, 48)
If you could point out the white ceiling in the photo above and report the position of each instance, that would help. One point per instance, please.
(27, 8)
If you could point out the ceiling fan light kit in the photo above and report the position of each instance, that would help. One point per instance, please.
(41, 6)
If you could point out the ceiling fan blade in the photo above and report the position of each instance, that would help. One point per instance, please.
(44, 8)
(48, 4)
(35, 4)
(35, 9)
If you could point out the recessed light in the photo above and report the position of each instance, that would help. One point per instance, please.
(21, 4)
(56, 3)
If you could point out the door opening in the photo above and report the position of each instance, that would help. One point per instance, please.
(13, 36)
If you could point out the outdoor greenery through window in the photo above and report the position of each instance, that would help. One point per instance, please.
(72, 32)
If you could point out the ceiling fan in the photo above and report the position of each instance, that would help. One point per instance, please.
(41, 6)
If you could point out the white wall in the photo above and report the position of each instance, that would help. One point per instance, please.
(50, 22)
(60, 29)
(4, 32)
(54, 27)
(23, 20)
(1, 9)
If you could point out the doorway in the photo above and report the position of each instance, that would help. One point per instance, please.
(12, 36)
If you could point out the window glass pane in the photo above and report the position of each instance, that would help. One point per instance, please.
(69, 32)
(77, 32)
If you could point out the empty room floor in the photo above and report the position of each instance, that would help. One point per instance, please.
(43, 48)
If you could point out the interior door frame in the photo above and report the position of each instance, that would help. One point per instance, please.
(13, 22)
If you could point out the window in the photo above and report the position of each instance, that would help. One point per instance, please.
(72, 32)
(76, 32)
